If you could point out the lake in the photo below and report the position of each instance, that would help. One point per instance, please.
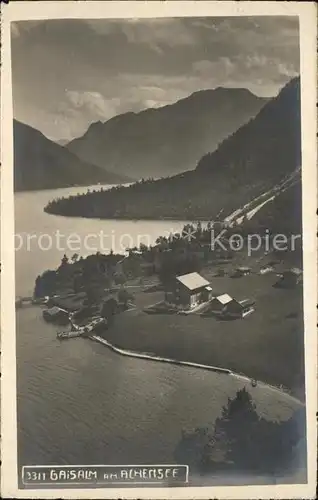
(80, 403)
(41, 239)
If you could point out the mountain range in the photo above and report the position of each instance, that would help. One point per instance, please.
(40, 163)
(245, 165)
(160, 142)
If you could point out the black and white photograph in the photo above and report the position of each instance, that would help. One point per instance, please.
(156, 243)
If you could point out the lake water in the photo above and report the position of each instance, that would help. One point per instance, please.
(42, 239)
(80, 403)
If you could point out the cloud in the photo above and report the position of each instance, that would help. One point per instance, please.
(15, 31)
(79, 108)
(223, 67)
(144, 31)
(69, 73)
(92, 102)
(21, 28)
(151, 103)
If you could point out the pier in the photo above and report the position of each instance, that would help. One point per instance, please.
(29, 301)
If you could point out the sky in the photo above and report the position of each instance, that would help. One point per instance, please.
(68, 74)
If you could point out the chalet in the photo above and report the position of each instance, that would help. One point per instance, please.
(219, 303)
(266, 269)
(224, 305)
(290, 278)
(241, 271)
(189, 290)
(246, 308)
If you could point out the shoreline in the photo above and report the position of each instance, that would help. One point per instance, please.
(150, 357)
(88, 186)
(190, 364)
(130, 336)
(174, 218)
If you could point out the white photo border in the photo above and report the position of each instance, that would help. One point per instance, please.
(28, 10)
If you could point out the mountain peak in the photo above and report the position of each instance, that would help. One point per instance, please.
(279, 117)
(40, 163)
(256, 158)
(96, 125)
(242, 91)
(226, 92)
(170, 139)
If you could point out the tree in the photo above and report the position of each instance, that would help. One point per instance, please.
(162, 242)
(74, 257)
(39, 289)
(190, 448)
(173, 264)
(119, 278)
(109, 309)
(93, 294)
(242, 440)
(45, 284)
(124, 297)
(77, 282)
(143, 248)
(64, 260)
(233, 430)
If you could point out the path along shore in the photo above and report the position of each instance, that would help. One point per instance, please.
(190, 364)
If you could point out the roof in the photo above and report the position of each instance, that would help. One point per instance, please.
(224, 298)
(209, 288)
(192, 281)
(296, 270)
(247, 302)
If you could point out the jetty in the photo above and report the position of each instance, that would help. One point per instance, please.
(29, 301)
(84, 330)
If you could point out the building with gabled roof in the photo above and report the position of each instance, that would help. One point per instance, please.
(189, 290)
(290, 278)
(219, 303)
(241, 271)
(192, 281)
(223, 299)
(226, 306)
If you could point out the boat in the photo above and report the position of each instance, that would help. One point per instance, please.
(41, 300)
(68, 335)
(29, 301)
(92, 326)
(83, 331)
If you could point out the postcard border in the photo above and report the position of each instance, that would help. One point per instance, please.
(307, 13)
